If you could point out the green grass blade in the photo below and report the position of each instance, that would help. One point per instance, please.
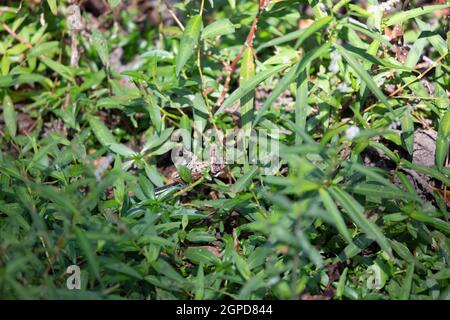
(89, 253)
(217, 28)
(365, 77)
(403, 251)
(53, 6)
(101, 132)
(407, 284)
(301, 103)
(244, 180)
(430, 171)
(435, 222)
(341, 284)
(376, 190)
(335, 214)
(289, 78)
(300, 35)
(406, 15)
(247, 73)
(315, 27)
(200, 283)
(188, 41)
(248, 87)
(355, 212)
(407, 125)
(443, 140)
(101, 46)
(9, 115)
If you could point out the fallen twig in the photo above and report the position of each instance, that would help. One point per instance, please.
(420, 76)
(174, 16)
(16, 36)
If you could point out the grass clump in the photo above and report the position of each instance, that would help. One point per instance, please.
(93, 96)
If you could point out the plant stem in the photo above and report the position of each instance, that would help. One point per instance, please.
(189, 187)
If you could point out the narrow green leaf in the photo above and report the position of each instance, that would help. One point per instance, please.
(13, 79)
(409, 14)
(101, 132)
(157, 241)
(53, 6)
(184, 173)
(431, 171)
(217, 28)
(58, 68)
(435, 222)
(376, 190)
(301, 103)
(315, 27)
(188, 41)
(147, 187)
(355, 212)
(5, 64)
(301, 132)
(101, 46)
(88, 253)
(300, 35)
(370, 57)
(248, 86)
(440, 93)
(200, 284)
(407, 284)
(318, 8)
(9, 115)
(167, 146)
(311, 251)
(371, 173)
(243, 181)
(386, 190)
(200, 113)
(341, 284)
(415, 53)
(335, 214)
(406, 183)
(247, 73)
(359, 10)
(388, 152)
(157, 140)
(407, 125)
(242, 266)
(120, 267)
(443, 140)
(154, 112)
(201, 256)
(280, 40)
(433, 37)
(367, 32)
(404, 253)
(165, 268)
(365, 77)
(121, 149)
(153, 174)
(443, 274)
(43, 48)
(55, 195)
(352, 249)
(289, 78)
